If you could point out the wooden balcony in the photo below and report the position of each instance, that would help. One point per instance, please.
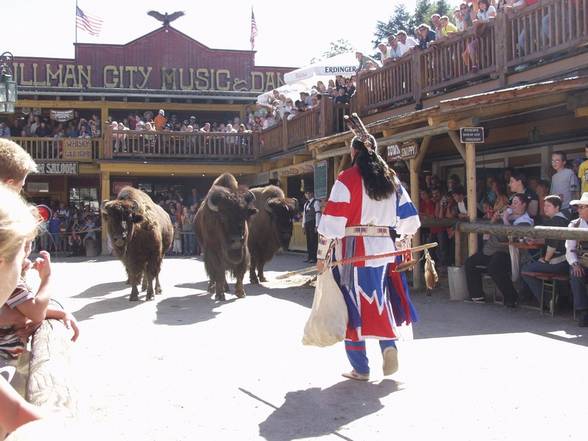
(61, 149)
(546, 32)
(196, 146)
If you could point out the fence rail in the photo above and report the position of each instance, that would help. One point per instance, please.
(181, 145)
(61, 149)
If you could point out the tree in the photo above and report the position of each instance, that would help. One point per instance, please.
(337, 47)
(442, 8)
(400, 20)
(422, 12)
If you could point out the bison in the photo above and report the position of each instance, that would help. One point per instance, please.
(141, 232)
(270, 228)
(221, 230)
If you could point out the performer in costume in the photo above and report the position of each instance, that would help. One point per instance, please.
(366, 210)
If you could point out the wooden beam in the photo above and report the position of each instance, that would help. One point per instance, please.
(472, 196)
(97, 104)
(424, 147)
(581, 112)
(457, 143)
(417, 273)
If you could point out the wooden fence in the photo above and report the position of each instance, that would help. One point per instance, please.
(61, 149)
(542, 32)
(181, 145)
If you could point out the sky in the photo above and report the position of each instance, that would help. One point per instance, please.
(290, 33)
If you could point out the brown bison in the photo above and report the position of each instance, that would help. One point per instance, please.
(270, 228)
(141, 232)
(221, 230)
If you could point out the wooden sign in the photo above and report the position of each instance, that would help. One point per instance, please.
(471, 135)
(76, 149)
(58, 168)
(405, 151)
(321, 169)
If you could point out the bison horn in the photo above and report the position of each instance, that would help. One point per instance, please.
(270, 202)
(213, 198)
(249, 197)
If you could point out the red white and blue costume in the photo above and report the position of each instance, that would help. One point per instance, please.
(377, 297)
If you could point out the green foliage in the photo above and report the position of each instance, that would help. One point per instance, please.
(337, 47)
(400, 20)
(442, 8)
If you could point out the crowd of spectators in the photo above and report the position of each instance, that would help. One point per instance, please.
(280, 107)
(509, 198)
(474, 15)
(44, 127)
(68, 229)
(182, 211)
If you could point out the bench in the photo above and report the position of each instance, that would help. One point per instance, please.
(550, 287)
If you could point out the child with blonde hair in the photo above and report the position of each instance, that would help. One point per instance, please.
(18, 227)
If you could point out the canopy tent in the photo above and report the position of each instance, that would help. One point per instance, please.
(289, 90)
(343, 64)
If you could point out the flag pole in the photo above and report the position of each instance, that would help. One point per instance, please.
(76, 22)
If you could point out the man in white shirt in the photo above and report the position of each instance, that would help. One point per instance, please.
(405, 42)
(577, 271)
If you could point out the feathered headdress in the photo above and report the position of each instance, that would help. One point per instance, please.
(356, 126)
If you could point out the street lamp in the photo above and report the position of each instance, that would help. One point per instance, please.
(7, 84)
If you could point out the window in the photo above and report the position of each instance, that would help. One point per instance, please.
(82, 197)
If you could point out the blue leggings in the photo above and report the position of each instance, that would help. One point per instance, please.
(357, 355)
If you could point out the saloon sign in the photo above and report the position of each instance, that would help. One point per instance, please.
(165, 59)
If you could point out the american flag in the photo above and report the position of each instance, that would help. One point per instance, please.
(92, 25)
(253, 30)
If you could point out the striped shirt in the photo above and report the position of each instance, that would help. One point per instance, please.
(11, 345)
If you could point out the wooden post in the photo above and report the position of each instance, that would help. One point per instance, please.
(107, 143)
(417, 74)
(417, 273)
(501, 36)
(285, 135)
(471, 190)
(105, 196)
(458, 255)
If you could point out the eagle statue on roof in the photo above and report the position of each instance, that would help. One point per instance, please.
(166, 18)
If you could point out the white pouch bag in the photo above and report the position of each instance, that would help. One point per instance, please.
(328, 318)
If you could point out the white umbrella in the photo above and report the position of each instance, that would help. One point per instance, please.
(343, 64)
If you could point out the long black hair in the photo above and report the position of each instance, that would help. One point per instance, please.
(380, 180)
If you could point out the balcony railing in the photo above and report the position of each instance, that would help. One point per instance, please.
(61, 149)
(178, 145)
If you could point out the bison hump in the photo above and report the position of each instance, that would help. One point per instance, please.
(227, 180)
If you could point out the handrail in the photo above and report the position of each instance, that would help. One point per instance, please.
(61, 149)
(182, 145)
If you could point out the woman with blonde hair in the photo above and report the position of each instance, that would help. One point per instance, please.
(18, 227)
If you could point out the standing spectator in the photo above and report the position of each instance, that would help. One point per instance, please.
(425, 36)
(436, 22)
(188, 234)
(311, 216)
(160, 120)
(583, 171)
(55, 230)
(365, 62)
(405, 42)
(564, 182)
(394, 49)
(4, 130)
(447, 27)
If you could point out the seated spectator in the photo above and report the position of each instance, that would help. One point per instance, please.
(553, 258)
(425, 36)
(495, 256)
(518, 184)
(460, 210)
(578, 271)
